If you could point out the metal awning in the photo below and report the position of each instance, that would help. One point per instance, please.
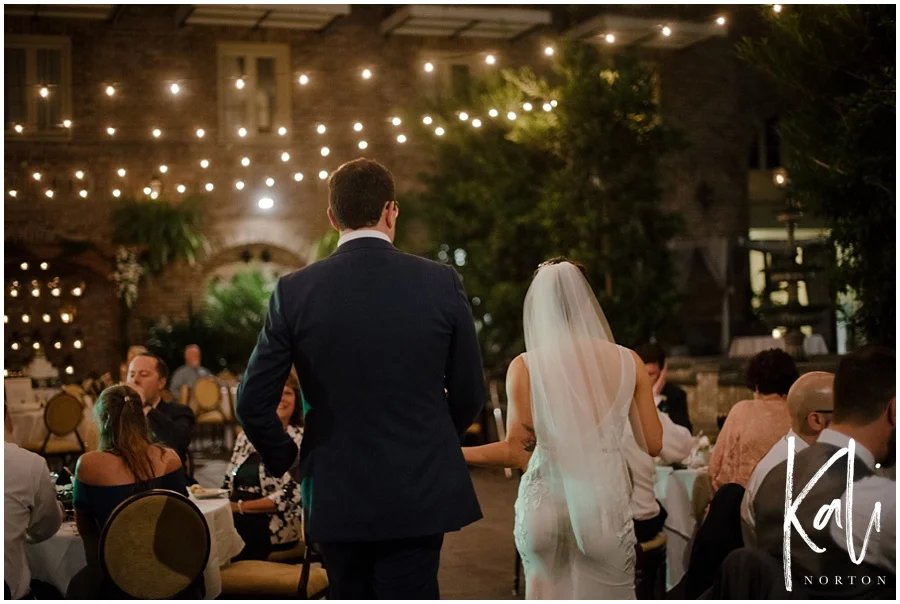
(464, 22)
(61, 11)
(633, 31)
(311, 17)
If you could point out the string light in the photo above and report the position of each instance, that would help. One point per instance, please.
(427, 120)
(204, 163)
(721, 21)
(24, 266)
(610, 38)
(45, 318)
(401, 138)
(116, 193)
(553, 103)
(55, 292)
(70, 370)
(121, 172)
(285, 156)
(200, 132)
(476, 123)
(321, 129)
(14, 293)
(66, 316)
(154, 195)
(36, 292)
(83, 193)
(527, 107)
(242, 132)
(366, 74)
(490, 59)
(667, 31)
(298, 176)
(245, 161)
(358, 127)
(77, 291)
(14, 346)
(163, 169)
(266, 203)
(45, 92)
(44, 266)
(18, 128)
(282, 131)
(239, 83)
(36, 176)
(147, 190)
(493, 113)
(111, 131)
(239, 185)
(181, 188)
(36, 345)
(110, 91)
(79, 175)
(776, 8)
(463, 116)
(67, 123)
(429, 67)
(439, 131)
(57, 345)
(49, 193)
(304, 79)
(325, 151)
(77, 344)
(549, 51)
(175, 88)
(209, 187)
(396, 121)
(511, 115)
(362, 144)
(270, 182)
(26, 318)
(323, 174)
(12, 193)
(547, 107)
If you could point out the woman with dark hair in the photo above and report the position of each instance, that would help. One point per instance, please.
(127, 462)
(754, 426)
(266, 507)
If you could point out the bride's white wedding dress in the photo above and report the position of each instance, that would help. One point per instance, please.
(573, 524)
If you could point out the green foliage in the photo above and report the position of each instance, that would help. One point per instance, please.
(582, 180)
(162, 230)
(325, 246)
(836, 66)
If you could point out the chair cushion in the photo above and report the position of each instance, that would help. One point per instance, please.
(256, 577)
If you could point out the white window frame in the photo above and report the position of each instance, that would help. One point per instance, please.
(31, 44)
(251, 52)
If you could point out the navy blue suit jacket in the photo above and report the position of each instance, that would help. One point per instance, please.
(386, 351)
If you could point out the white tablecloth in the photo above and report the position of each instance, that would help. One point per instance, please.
(58, 559)
(29, 428)
(675, 489)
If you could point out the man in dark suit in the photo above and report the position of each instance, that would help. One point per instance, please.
(171, 423)
(670, 399)
(386, 351)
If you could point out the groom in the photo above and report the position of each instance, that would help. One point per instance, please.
(388, 360)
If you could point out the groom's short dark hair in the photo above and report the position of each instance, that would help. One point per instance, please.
(358, 191)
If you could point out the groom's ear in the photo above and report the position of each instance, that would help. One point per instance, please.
(332, 220)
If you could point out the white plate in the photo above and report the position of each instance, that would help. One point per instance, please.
(209, 493)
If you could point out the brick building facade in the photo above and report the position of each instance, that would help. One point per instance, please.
(141, 51)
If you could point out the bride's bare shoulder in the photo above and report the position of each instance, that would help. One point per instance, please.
(519, 364)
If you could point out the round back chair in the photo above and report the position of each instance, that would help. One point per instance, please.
(207, 394)
(155, 545)
(62, 415)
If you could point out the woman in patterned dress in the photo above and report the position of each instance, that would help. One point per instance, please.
(266, 508)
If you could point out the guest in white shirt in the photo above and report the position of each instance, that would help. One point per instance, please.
(31, 512)
(810, 402)
(677, 442)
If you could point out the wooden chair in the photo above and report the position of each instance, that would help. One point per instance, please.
(155, 545)
(62, 415)
(208, 398)
(650, 569)
(295, 554)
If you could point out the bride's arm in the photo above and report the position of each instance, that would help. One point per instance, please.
(643, 415)
(516, 449)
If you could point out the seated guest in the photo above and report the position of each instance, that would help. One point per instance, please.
(30, 511)
(127, 462)
(810, 403)
(752, 427)
(649, 515)
(171, 423)
(265, 506)
(865, 410)
(188, 373)
(669, 398)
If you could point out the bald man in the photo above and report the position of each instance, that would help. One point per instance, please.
(810, 403)
(188, 373)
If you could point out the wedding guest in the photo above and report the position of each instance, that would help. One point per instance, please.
(810, 403)
(669, 398)
(171, 423)
(865, 413)
(31, 513)
(127, 462)
(265, 507)
(133, 351)
(188, 373)
(753, 426)
(649, 514)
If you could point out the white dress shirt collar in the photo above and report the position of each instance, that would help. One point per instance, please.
(831, 437)
(360, 233)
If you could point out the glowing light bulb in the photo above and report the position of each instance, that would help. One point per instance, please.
(36, 292)
(321, 129)
(14, 293)
(79, 175)
(463, 116)
(181, 188)
(26, 318)
(245, 161)
(667, 31)
(239, 185)
(266, 203)
(175, 88)
(553, 103)
(366, 74)
(110, 131)
(549, 51)
(154, 195)
(83, 193)
(396, 121)
(110, 91)
(70, 370)
(493, 113)
(116, 193)
(325, 151)
(121, 172)
(490, 59)
(721, 21)
(357, 127)
(242, 132)
(239, 83)
(147, 190)
(18, 128)
(610, 38)
(362, 144)
(77, 344)
(44, 266)
(270, 182)
(427, 120)
(511, 115)
(36, 176)
(401, 138)
(323, 174)
(439, 131)
(209, 187)
(77, 291)
(429, 67)
(57, 345)
(36, 345)
(13, 193)
(476, 123)
(282, 131)
(285, 156)
(45, 92)
(776, 8)
(55, 292)
(14, 346)
(67, 123)
(204, 163)
(200, 132)
(49, 193)
(298, 176)
(547, 107)
(163, 169)
(304, 79)
(527, 107)
(24, 266)
(45, 318)
(156, 133)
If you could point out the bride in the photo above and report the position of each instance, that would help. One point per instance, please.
(570, 395)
